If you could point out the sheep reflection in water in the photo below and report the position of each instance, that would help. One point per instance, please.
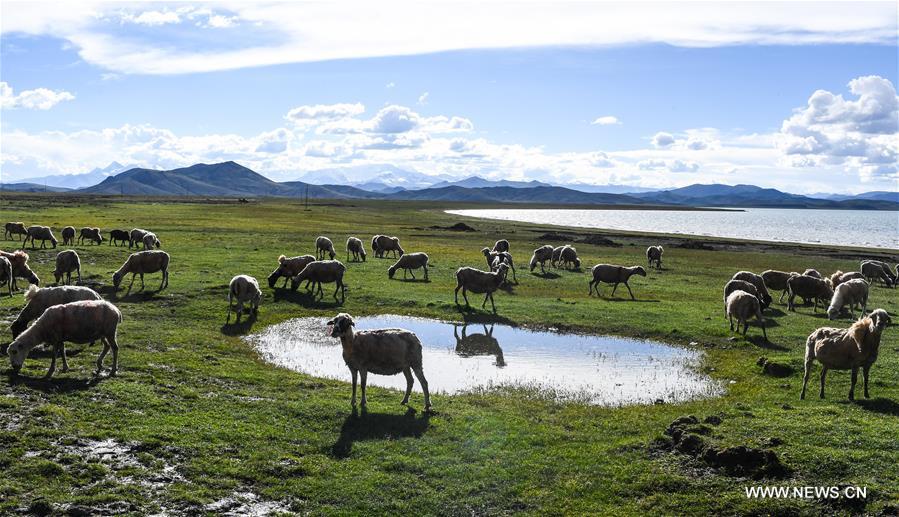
(468, 345)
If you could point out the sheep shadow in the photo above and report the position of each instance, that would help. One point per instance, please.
(549, 275)
(378, 426)
(761, 342)
(306, 298)
(233, 328)
(413, 280)
(59, 384)
(619, 299)
(879, 405)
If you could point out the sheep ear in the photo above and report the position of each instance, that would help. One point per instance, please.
(330, 322)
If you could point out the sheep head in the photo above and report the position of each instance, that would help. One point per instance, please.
(638, 270)
(486, 252)
(17, 354)
(881, 318)
(341, 325)
(273, 278)
(117, 279)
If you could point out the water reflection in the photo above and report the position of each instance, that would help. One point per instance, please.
(469, 345)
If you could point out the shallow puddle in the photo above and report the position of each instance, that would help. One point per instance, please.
(600, 370)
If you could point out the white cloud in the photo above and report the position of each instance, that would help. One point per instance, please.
(313, 114)
(608, 120)
(395, 119)
(662, 139)
(152, 18)
(391, 84)
(423, 99)
(39, 98)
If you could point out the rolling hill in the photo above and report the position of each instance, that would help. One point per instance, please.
(31, 187)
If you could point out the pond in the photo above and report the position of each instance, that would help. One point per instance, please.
(602, 370)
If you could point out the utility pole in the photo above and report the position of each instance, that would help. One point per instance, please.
(307, 197)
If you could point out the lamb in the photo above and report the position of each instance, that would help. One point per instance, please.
(777, 281)
(480, 282)
(288, 268)
(409, 262)
(322, 272)
(743, 306)
(19, 262)
(243, 288)
(354, 246)
(759, 284)
(851, 293)
(569, 257)
(323, 245)
(66, 262)
(495, 258)
(76, 322)
(739, 285)
(813, 272)
(151, 241)
(6, 276)
(136, 236)
(11, 229)
(612, 274)
(846, 349)
(877, 270)
(839, 277)
(654, 254)
(142, 262)
(40, 232)
(808, 287)
(382, 352)
(383, 244)
(540, 256)
(116, 236)
(68, 236)
(38, 299)
(501, 245)
(91, 234)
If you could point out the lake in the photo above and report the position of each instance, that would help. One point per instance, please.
(865, 228)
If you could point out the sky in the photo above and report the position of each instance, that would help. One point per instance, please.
(795, 96)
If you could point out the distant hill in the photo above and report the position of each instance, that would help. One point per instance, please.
(31, 187)
(479, 182)
(609, 189)
(75, 181)
(375, 177)
(752, 196)
(548, 194)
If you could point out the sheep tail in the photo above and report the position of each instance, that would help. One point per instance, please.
(31, 292)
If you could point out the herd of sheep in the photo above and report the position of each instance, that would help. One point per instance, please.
(67, 313)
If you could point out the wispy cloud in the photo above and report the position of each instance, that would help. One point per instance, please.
(423, 99)
(608, 120)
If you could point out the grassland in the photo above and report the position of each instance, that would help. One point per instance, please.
(200, 418)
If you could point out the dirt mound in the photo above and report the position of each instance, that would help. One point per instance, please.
(693, 245)
(599, 240)
(458, 227)
(774, 369)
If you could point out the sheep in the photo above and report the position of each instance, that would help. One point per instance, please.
(469, 345)
(243, 288)
(495, 258)
(66, 262)
(480, 282)
(851, 293)
(759, 284)
(354, 246)
(408, 262)
(877, 270)
(569, 257)
(556, 256)
(19, 262)
(6, 276)
(44, 233)
(743, 306)
(11, 229)
(116, 236)
(540, 256)
(142, 262)
(654, 255)
(501, 245)
(813, 272)
(322, 272)
(68, 236)
(151, 241)
(76, 322)
(382, 244)
(136, 236)
(777, 281)
(845, 349)
(839, 277)
(382, 352)
(288, 268)
(739, 285)
(322, 245)
(808, 287)
(91, 234)
(612, 274)
(38, 299)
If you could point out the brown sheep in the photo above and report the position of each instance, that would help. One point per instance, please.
(44, 233)
(142, 262)
(68, 236)
(739, 285)
(611, 274)
(91, 234)
(759, 284)
(744, 306)
(409, 262)
(777, 281)
(11, 229)
(495, 258)
(136, 237)
(480, 282)
(116, 236)
(289, 268)
(19, 262)
(66, 262)
(38, 299)
(382, 244)
(354, 246)
(322, 272)
(809, 288)
(6, 276)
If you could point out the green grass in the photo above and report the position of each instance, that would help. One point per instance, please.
(192, 395)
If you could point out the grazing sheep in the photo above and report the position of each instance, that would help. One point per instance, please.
(243, 288)
(777, 281)
(91, 234)
(540, 256)
(66, 262)
(322, 272)
(556, 256)
(136, 236)
(6, 274)
(151, 241)
(480, 282)
(19, 262)
(808, 288)
(68, 236)
(495, 258)
(354, 246)
(470, 345)
(612, 274)
(382, 352)
(409, 262)
(839, 277)
(877, 270)
(289, 268)
(739, 285)
(116, 236)
(11, 229)
(759, 284)
(851, 293)
(383, 244)
(501, 246)
(744, 306)
(38, 299)
(40, 232)
(813, 272)
(374, 244)
(142, 262)
(845, 349)
(569, 257)
(324, 245)
(76, 322)
(654, 255)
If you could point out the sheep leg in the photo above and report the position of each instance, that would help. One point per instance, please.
(852, 384)
(424, 385)
(355, 375)
(132, 280)
(490, 294)
(614, 288)
(731, 322)
(782, 293)
(865, 370)
(823, 375)
(629, 291)
(745, 326)
(101, 357)
(412, 273)
(79, 275)
(165, 280)
(141, 281)
(409, 382)
(762, 324)
(285, 282)
(808, 370)
(65, 362)
(53, 361)
(363, 375)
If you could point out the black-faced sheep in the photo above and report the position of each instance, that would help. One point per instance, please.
(76, 322)
(289, 268)
(849, 293)
(382, 352)
(382, 244)
(322, 272)
(66, 262)
(354, 246)
(243, 289)
(151, 241)
(68, 236)
(480, 282)
(744, 306)
(808, 288)
(6, 276)
(612, 274)
(149, 261)
(495, 258)
(845, 349)
(569, 258)
(116, 236)
(540, 256)
(759, 284)
(654, 256)
(324, 245)
(38, 299)
(777, 281)
(11, 229)
(739, 285)
(136, 237)
(501, 245)
(91, 234)
(40, 233)
(19, 262)
(409, 262)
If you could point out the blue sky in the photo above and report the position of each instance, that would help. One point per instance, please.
(166, 85)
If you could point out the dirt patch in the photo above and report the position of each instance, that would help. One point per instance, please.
(694, 245)
(774, 369)
(576, 238)
(246, 504)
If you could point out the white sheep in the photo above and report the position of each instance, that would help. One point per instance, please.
(849, 293)
(354, 246)
(568, 257)
(495, 258)
(480, 282)
(540, 256)
(877, 270)
(383, 244)
(557, 255)
(409, 262)
(382, 352)
(324, 245)
(151, 241)
(149, 261)
(243, 289)
(739, 285)
(744, 306)
(322, 272)
(66, 262)
(38, 299)
(759, 284)
(654, 255)
(136, 236)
